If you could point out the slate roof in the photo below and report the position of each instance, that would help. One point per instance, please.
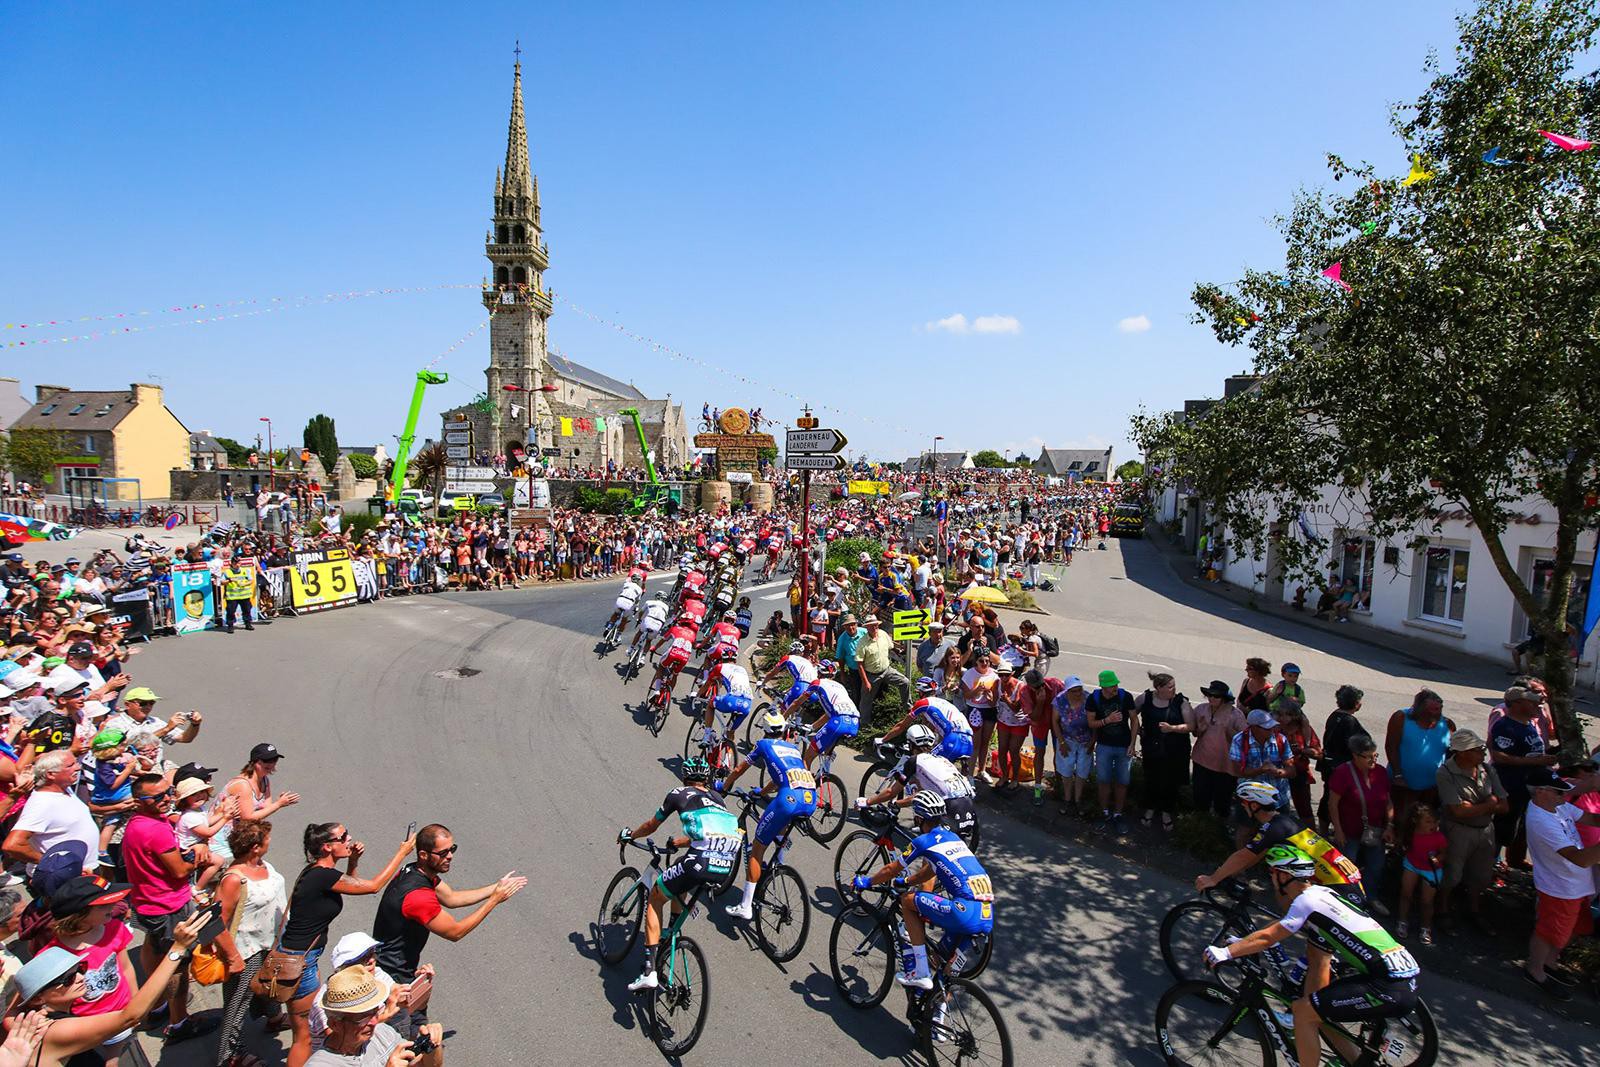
(1087, 462)
(566, 368)
(78, 409)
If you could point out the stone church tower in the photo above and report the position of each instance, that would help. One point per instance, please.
(518, 302)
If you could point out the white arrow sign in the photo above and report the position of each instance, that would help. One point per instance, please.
(467, 473)
(814, 441)
(800, 461)
(458, 451)
(469, 487)
(458, 437)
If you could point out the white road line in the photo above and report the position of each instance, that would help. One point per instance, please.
(1113, 659)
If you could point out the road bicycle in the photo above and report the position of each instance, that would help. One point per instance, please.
(636, 653)
(781, 907)
(659, 702)
(868, 850)
(1218, 916)
(613, 631)
(1253, 1022)
(679, 1003)
(956, 1022)
(723, 755)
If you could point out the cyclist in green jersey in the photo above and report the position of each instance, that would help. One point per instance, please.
(713, 837)
(1384, 979)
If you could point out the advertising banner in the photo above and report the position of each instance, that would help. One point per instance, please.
(322, 578)
(133, 608)
(194, 603)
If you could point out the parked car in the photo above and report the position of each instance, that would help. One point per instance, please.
(423, 498)
(491, 501)
(1127, 520)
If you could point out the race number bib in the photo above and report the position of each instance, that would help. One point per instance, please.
(979, 886)
(800, 778)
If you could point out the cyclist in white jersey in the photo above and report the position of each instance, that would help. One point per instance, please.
(653, 618)
(627, 597)
(731, 694)
(928, 770)
(799, 669)
(949, 725)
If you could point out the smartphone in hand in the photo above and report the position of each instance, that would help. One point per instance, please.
(213, 924)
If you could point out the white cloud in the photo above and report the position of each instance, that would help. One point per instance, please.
(1134, 324)
(996, 324)
(958, 323)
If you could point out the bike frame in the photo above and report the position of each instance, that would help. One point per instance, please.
(1256, 997)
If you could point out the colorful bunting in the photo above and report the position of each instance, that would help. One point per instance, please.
(27, 528)
(599, 424)
(1419, 173)
(566, 426)
(1333, 273)
(1368, 227)
(1565, 143)
(1492, 157)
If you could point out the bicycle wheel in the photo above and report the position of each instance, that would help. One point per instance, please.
(1203, 1023)
(833, 804)
(691, 742)
(1186, 932)
(859, 853)
(678, 1005)
(621, 912)
(976, 956)
(756, 714)
(877, 777)
(782, 913)
(1409, 1041)
(962, 1026)
(861, 953)
(663, 710)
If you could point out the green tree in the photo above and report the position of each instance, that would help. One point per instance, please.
(427, 468)
(1130, 470)
(322, 440)
(1462, 369)
(364, 465)
(989, 458)
(238, 455)
(32, 455)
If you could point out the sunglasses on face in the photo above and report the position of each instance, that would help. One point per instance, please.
(159, 796)
(451, 851)
(66, 980)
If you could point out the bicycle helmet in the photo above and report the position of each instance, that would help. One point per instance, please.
(926, 684)
(695, 769)
(928, 805)
(662, 596)
(774, 725)
(919, 736)
(729, 616)
(1259, 792)
(797, 648)
(1291, 861)
(827, 668)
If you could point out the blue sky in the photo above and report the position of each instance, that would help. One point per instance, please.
(807, 194)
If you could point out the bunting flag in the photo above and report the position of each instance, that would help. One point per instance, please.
(469, 335)
(1367, 228)
(27, 528)
(600, 425)
(1419, 173)
(566, 426)
(1565, 143)
(1334, 273)
(1492, 157)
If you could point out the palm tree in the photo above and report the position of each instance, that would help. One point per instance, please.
(429, 465)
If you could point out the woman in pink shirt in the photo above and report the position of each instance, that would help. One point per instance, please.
(86, 912)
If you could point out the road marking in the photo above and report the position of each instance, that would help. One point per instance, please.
(1114, 659)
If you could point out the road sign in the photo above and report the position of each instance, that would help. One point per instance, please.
(814, 441)
(912, 625)
(458, 451)
(469, 487)
(550, 451)
(801, 461)
(458, 437)
(467, 473)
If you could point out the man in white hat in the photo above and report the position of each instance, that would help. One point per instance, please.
(353, 1000)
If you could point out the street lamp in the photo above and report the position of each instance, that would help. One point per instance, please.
(933, 453)
(270, 483)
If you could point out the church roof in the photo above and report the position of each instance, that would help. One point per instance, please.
(566, 368)
(517, 180)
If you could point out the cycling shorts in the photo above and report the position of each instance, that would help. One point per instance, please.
(676, 658)
(696, 869)
(624, 604)
(783, 809)
(652, 626)
(954, 746)
(737, 707)
(795, 692)
(956, 916)
(961, 817)
(833, 731)
(1358, 996)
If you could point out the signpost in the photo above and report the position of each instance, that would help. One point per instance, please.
(810, 448)
(469, 487)
(458, 437)
(814, 441)
(912, 625)
(804, 461)
(458, 451)
(466, 473)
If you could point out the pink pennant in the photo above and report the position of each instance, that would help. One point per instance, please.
(1569, 144)
(1333, 273)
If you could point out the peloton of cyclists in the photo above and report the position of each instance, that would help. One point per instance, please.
(935, 774)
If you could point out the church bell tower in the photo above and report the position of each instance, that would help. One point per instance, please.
(515, 295)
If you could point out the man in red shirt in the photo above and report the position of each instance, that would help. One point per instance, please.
(413, 906)
(162, 896)
(1037, 697)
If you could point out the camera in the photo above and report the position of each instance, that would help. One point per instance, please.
(422, 1043)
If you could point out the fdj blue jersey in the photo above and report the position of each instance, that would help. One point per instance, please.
(944, 717)
(783, 763)
(960, 874)
(834, 699)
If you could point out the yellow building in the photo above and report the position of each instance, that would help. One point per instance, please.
(124, 433)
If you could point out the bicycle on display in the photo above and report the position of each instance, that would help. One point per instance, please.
(956, 1022)
(781, 908)
(1252, 1022)
(833, 799)
(678, 1005)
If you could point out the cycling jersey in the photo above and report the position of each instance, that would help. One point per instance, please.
(695, 609)
(715, 839)
(725, 634)
(801, 671)
(937, 774)
(733, 680)
(943, 717)
(783, 763)
(694, 580)
(1333, 923)
(960, 874)
(680, 645)
(655, 615)
(628, 596)
(834, 699)
(1332, 867)
(638, 574)
(747, 546)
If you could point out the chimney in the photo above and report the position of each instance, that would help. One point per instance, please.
(144, 392)
(45, 392)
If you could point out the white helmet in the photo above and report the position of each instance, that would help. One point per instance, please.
(928, 805)
(919, 736)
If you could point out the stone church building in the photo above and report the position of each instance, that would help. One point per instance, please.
(529, 389)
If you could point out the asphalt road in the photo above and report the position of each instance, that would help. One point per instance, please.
(535, 760)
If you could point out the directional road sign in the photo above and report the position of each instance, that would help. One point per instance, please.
(458, 451)
(912, 625)
(463, 474)
(814, 441)
(801, 461)
(470, 487)
(458, 437)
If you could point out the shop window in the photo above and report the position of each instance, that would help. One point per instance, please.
(1444, 585)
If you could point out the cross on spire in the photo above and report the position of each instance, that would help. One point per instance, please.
(518, 51)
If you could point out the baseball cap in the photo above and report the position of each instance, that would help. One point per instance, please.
(80, 648)
(84, 892)
(107, 739)
(45, 968)
(1072, 681)
(1109, 678)
(1291, 668)
(63, 686)
(265, 752)
(1261, 718)
(1545, 778)
(194, 770)
(141, 693)
(57, 867)
(1465, 741)
(350, 948)
(1522, 692)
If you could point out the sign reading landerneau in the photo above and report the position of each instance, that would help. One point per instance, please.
(814, 441)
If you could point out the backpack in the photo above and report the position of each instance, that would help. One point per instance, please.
(1051, 646)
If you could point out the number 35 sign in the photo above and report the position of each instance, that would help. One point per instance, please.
(321, 579)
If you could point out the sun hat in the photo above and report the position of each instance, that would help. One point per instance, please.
(141, 693)
(45, 968)
(190, 786)
(1108, 678)
(350, 948)
(354, 991)
(1217, 688)
(1072, 681)
(1465, 741)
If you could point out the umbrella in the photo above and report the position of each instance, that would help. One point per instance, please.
(909, 496)
(984, 594)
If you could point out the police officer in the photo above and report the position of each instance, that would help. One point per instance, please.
(238, 589)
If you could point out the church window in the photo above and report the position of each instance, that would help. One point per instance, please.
(519, 275)
(502, 276)
(518, 235)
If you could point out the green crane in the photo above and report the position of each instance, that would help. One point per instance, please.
(657, 493)
(425, 378)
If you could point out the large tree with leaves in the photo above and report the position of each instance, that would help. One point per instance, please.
(33, 454)
(1461, 368)
(321, 438)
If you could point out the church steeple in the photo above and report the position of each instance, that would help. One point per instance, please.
(518, 177)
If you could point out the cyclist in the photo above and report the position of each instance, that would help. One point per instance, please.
(1384, 982)
(692, 614)
(935, 774)
(792, 790)
(627, 597)
(639, 573)
(694, 585)
(653, 618)
(944, 718)
(839, 718)
(727, 691)
(722, 640)
(726, 592)
(1260, 802)
(744, 617)
(711, 833)
(798, 666)
(679, 647)
(936, 856)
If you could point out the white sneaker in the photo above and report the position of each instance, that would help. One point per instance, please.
(647, 980)
(741, 910)
(914, 981)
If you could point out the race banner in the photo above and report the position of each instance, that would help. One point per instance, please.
(366, 579)
(322, 578)
(195, 602)
(133, 608)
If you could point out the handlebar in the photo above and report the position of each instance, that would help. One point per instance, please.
(647, 845)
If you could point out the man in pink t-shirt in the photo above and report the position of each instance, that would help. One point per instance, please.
(162, 896)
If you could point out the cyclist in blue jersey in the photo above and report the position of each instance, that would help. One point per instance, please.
(953, 729)
(789, 784)
(936, 857)
(799, 669)
(839, 718)
(728, 692)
